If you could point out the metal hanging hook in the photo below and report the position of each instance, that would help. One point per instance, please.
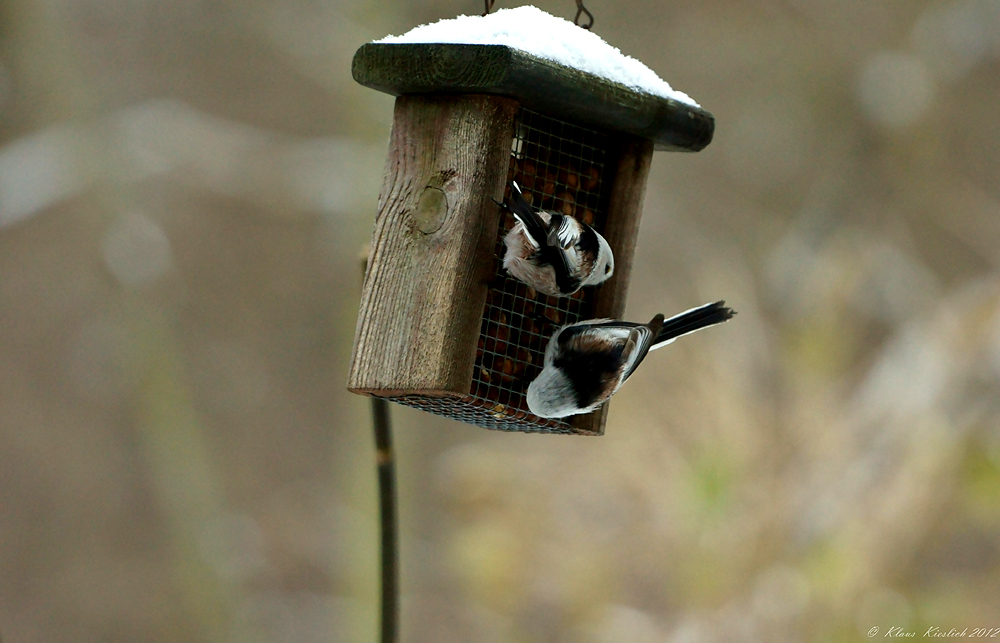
(582, 9)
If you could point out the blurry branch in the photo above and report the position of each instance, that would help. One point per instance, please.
(40, 170)
(184, 479)
(280, 172)
(170, 138)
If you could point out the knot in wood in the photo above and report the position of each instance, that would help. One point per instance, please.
(431, 210)
(432, 204)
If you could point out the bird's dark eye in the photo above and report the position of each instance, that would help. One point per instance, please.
(607, 270)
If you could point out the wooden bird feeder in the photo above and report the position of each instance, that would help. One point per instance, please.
(442, 326)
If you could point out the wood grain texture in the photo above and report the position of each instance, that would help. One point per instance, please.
(631, 170)
(538, 84)
(432, 248)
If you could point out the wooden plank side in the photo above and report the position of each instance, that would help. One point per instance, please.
(432, 247)
(538, 84)
(631, 171)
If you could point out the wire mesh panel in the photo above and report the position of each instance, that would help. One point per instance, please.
(560, 167)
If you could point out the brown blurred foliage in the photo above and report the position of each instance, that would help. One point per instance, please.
(185, 188)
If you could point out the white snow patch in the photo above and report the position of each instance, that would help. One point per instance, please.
(543, 35)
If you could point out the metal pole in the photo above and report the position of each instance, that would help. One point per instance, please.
(387, 517)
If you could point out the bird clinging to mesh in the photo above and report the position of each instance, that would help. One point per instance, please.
(554, 253)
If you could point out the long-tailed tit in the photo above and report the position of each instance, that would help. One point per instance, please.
(586, 363)
(554, 253)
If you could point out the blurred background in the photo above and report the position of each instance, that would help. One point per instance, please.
(186, 187)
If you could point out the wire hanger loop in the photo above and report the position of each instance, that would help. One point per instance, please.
(580, 9)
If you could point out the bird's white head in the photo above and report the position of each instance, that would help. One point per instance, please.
(604, 265)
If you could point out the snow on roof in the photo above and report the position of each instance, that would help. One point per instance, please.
(541, 34)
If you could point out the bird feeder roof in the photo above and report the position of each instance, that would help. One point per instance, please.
(538, 84)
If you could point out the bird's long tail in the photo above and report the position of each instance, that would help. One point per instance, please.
(692, 320)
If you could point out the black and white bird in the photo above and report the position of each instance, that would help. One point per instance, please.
(554, 253)
(587, 362)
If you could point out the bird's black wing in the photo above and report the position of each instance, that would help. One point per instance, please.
(533, 224)
(639, 343)
(588, 242)
(556, 257)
